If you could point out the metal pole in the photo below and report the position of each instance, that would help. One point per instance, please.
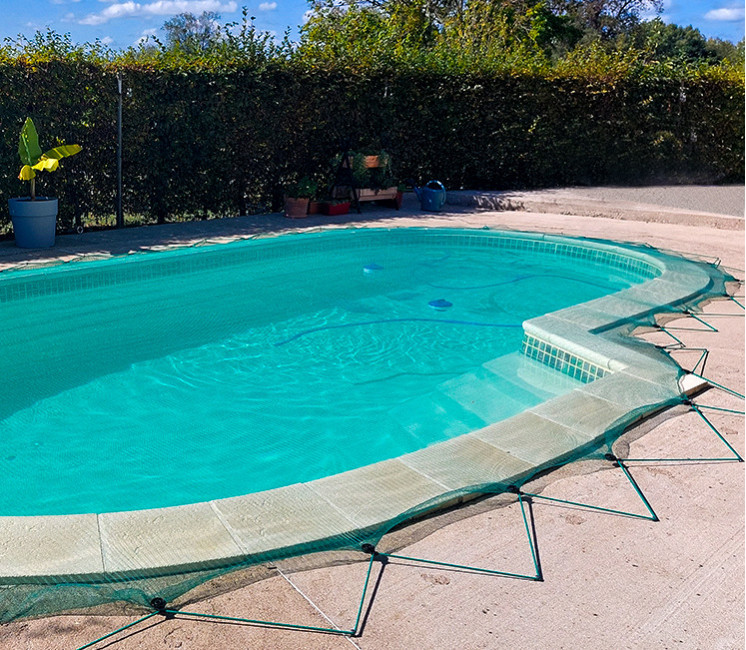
(120, 214)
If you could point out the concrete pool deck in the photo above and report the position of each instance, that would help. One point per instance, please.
(427, 624)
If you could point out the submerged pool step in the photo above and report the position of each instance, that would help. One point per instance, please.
(486, 394)
(529, 378)
(495, 391)
(435, 416)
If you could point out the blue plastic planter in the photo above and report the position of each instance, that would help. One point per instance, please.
(34, 222)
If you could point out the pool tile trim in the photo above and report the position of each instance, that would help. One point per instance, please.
(24, 284)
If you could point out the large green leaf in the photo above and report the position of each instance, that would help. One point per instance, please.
(28, 144)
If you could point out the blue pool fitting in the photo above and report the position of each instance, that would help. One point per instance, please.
(440, 304)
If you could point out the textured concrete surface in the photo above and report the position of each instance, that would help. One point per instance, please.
(610, 581)
(723, 199)
(716, 207)
(140, 540)
(260, 522)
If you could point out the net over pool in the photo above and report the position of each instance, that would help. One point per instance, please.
(305, 393)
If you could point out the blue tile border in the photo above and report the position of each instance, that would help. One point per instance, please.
(82, 275)
(561, 360)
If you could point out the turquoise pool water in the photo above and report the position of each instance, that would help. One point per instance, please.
(165, 379)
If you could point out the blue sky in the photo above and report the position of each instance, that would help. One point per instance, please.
(121, 23)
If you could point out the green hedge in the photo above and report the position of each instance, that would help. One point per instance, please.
(203, 141)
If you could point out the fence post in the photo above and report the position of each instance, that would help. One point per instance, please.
(120, 214)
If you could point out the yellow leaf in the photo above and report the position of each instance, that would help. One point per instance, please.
(26, 173)
(47, 164)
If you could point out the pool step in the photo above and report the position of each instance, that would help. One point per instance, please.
(485, 394)
(435, 416)
(530, 378)
(497, 390)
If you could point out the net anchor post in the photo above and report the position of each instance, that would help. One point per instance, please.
(537, 577)
(617, 463)
(161, 607)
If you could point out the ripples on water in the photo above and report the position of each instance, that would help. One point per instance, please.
(349, 368)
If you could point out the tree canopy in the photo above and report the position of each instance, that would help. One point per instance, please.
(193, 33)
(542, 31)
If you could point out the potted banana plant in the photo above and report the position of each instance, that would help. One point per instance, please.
(35, 217)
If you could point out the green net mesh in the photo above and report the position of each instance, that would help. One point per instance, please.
(584, 376)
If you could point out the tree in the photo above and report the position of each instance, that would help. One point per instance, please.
(606, 19)
(191, 33)
(683, 44)
(734, 52)
(548, 28)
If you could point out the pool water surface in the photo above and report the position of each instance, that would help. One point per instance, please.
(266, 367)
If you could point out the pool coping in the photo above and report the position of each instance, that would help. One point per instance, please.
(318, 514)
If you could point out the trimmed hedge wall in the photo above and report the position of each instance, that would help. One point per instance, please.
(219, 142)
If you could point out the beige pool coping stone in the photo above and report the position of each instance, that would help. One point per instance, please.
(289, 519)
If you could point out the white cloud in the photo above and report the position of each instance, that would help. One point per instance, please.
(107, 40)
(144, 36)
(158, 8)
(268, 6)
(726, 14)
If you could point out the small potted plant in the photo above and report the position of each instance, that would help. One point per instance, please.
(371, 173)
(335, 207)
(35, 217)
(315, 206)
(297, 197)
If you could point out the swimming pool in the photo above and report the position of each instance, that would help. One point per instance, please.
(52, 563)
(205, 373)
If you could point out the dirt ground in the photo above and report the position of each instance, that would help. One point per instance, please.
(609, 581)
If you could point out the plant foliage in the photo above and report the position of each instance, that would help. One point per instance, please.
(484, 94)
(32, 158)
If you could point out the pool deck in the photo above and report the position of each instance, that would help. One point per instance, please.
(442, 611)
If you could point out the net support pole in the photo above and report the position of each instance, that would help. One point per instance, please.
(118, 630)
(650, 517)
(712, 328)
(720, 386)
(716, 432)
(537, 577)
(710, 407)
(160, 607)
(679, 342)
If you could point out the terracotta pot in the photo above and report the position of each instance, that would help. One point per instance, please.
(296, 208)
(314, 207)
(369, 161)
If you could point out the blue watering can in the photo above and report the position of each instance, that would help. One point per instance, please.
(432, 197)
